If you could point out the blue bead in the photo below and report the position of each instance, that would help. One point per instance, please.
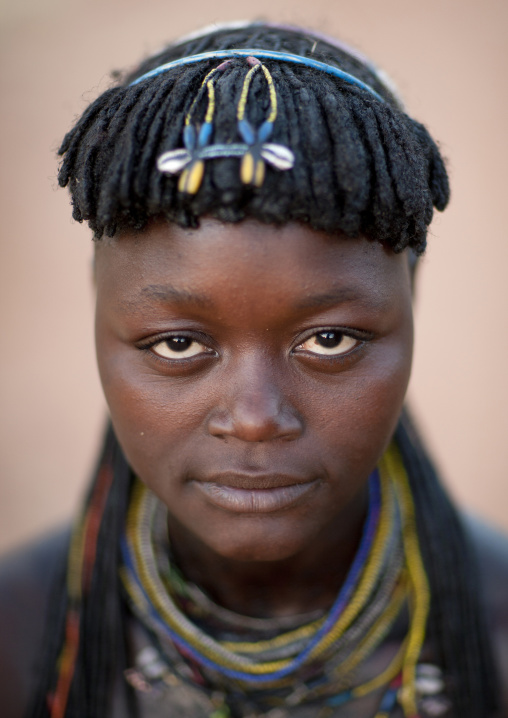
(189, 137)
(265, 131)
(339, 699)
(247, 132)
(204, 134)
(389, 701)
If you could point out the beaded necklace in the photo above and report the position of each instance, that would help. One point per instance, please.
(317, 660)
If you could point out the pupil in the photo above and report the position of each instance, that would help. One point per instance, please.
(329, 339)
(179, 344)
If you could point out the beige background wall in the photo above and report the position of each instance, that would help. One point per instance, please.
(449, 57)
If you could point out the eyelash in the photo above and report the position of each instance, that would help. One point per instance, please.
(360, 336)
(147, 346)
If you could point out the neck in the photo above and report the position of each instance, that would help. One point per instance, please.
(305, 582)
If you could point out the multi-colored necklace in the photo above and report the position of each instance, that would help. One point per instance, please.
(318, 660)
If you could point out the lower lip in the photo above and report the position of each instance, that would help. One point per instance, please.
(254, 501)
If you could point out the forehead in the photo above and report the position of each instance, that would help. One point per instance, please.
(228, 261)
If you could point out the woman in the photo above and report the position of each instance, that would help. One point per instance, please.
(265, 534)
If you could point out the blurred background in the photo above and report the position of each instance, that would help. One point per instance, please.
(449, 59)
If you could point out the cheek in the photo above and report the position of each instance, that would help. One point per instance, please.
(356, 414)
(152, 416)
(349, 417)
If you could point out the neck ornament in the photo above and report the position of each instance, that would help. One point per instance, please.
(321, 658)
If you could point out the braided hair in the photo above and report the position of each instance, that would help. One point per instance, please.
(362, 167)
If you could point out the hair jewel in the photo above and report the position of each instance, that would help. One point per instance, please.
(252, 170)
(254, 152)
(189, 160)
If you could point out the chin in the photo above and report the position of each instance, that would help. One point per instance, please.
(257, 541)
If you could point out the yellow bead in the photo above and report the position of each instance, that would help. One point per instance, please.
(247, 168)
(191, 178)
(196, 173)
(182, 181)
(260, 173)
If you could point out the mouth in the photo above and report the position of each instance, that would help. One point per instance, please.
(263, 494)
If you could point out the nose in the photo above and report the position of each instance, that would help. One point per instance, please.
(253, 407)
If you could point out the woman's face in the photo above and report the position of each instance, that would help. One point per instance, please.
(254, 375)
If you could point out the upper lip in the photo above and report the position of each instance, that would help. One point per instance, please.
(255, 481)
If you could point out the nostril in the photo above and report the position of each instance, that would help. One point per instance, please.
(252, 425)
(219, 424)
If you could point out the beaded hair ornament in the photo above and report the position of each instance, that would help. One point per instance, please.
(255, 150)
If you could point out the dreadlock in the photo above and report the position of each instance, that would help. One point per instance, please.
(456, 624)
(361, 167)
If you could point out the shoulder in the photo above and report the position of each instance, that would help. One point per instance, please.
(26, 578)
(491, 549)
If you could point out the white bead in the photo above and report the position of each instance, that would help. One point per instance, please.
(147, 655)
(428, 670)
(429, 686)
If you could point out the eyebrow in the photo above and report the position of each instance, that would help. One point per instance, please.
(340, 295)
(334, 297)
(167, 293)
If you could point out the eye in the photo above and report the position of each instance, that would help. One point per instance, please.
(329, 342)
(179, 347)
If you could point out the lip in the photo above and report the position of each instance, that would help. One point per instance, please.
(263, 495)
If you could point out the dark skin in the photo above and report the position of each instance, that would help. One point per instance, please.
(253, 412)
(260, 435)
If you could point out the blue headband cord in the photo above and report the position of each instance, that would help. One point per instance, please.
(255, 151)
(261, 55)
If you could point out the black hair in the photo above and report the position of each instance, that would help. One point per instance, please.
(457, 626)
(362, 167)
